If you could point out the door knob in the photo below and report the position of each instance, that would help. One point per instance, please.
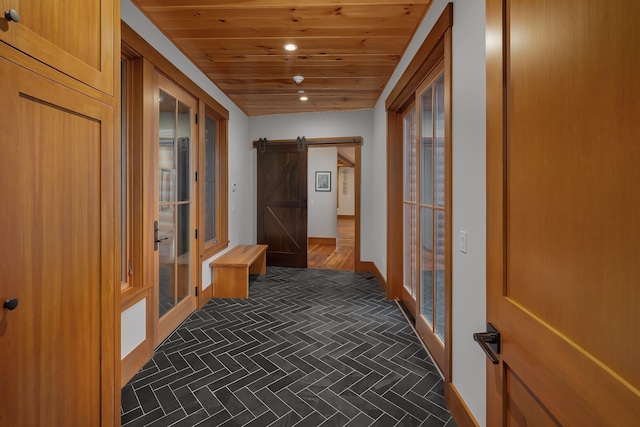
(12, 15)
(10, 304)
(489, 342)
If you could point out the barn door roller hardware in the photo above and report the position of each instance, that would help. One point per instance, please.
(262, 145)
(302, 144)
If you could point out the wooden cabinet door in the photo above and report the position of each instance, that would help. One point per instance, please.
(282, 204)
(57, 347)
(74, 37)
(563, 200)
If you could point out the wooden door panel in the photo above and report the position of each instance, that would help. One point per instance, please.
(282, 204)
(522, 407)
(56, 347)
(78, 40)
(562, 137)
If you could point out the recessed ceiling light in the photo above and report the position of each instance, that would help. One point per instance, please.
(290, 47)
(298, 79)
(304, 98)
(300, 91)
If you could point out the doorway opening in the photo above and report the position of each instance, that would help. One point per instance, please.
(339, 249)
(338, 252)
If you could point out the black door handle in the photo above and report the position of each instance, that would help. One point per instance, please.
(156, 239)
(10, 304)
(489, 342)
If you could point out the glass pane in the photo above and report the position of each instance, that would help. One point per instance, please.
(439, 270)
(166, 151)
(123, 172)
(410, 233)
(439, 134)
(184, 164)
(426, 264)
(426, 147)
(410, 156)
(182, 242)
(167, 258)
(210, 179)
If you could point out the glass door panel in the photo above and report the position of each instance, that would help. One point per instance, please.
(439, 264)
(410, 267)
(166, 250)
(439, 224)
(426, 264)
(432, 215)
(410, 226)
(439, 141)
(183, 251)
(175, 206)
(426, 147)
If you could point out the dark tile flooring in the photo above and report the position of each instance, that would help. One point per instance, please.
(307, 348)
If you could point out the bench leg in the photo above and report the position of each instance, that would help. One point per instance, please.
(230, 282)
(259, 266)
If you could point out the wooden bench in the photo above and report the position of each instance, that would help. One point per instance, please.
(231, 270)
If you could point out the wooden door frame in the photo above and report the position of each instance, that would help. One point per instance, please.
(435, 48)
(349, 141)
(165, 326)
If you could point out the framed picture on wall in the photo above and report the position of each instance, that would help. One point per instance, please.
(323, 181)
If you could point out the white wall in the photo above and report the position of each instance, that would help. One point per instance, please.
(469, 189)
(242, 220)
(322, 218)
(331, 125)
(133, 327)
(346, 200)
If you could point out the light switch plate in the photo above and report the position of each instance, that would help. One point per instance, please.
(462, 240)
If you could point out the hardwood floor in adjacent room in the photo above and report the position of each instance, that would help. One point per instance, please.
(338, 257)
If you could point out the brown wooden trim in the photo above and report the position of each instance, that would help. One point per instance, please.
(205, 295)
(346, 216)
(322, 241)
(371, 267)
(144, 49)
(134, 361)
(422, 62)
(41, 68)
(344, 162)
(395, 175)
(328, 142)
(357, 175)
(134, 295)
(458, 409)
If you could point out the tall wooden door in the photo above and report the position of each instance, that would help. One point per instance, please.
(175, 245)
(282, 204)
(563, 260)
(57, 254)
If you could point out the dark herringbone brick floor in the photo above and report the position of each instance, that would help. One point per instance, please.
(307, 348)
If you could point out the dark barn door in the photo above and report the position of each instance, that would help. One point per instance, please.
(282, 204)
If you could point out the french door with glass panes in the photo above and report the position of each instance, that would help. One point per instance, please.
(426, 206)
(175, 246)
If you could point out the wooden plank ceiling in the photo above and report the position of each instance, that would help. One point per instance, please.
(347, 49)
